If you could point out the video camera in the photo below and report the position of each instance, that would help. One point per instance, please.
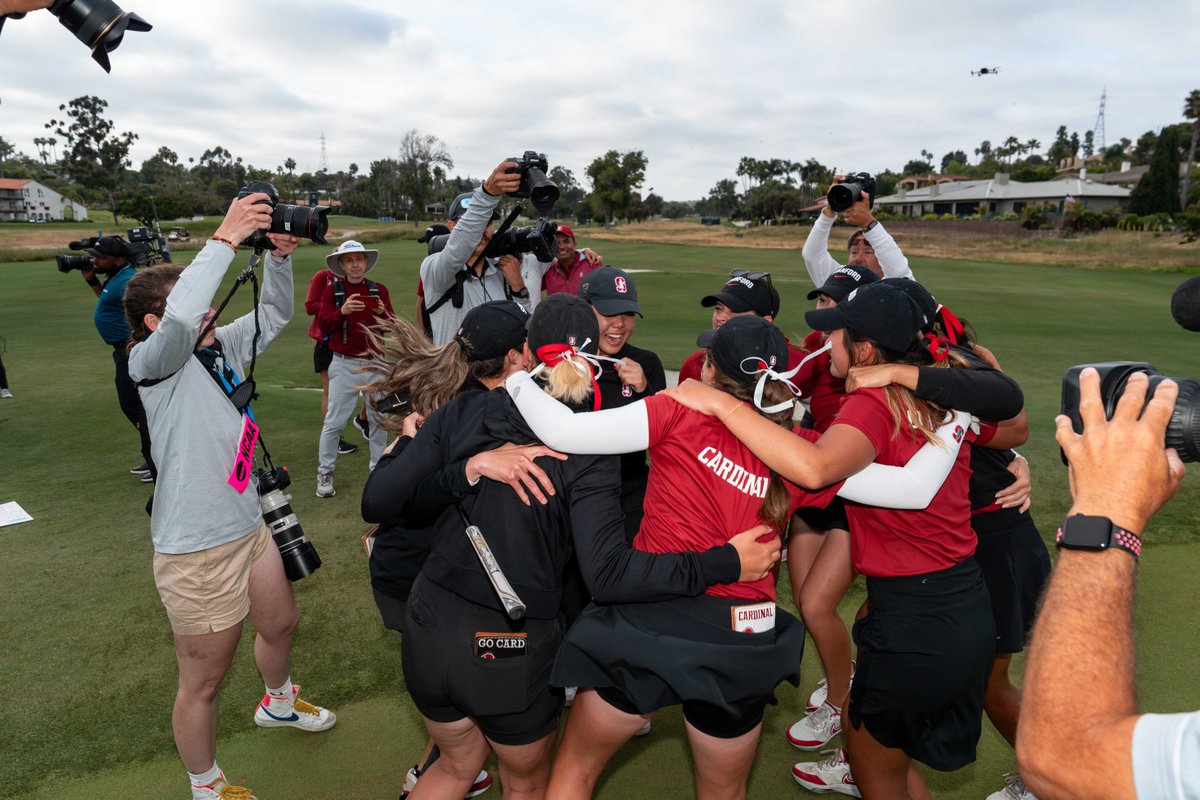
(67, 263)
(1183, 431)
(537, 239)
(147, 248)
(540, 190)
(299, 557)
(307, 222)
(849, 190)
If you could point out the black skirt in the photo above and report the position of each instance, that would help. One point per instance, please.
(661, 654)
(1015, 565)
(924, 650)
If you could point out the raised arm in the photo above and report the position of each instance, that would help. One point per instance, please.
(816, 256)
(610, 432)
(275, 308)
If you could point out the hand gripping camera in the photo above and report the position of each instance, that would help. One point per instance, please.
(300, 558)
(850, 190)
(540, 190)
(307, 222)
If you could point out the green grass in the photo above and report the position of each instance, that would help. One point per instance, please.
(88, 674)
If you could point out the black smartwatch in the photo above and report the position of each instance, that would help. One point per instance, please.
(1080, 532)
(871, 226)
(522, 293)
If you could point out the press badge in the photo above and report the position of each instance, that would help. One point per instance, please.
(757, 618)
(243, 459)
(489, 646)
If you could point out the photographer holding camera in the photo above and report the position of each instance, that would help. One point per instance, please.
(214, 561)
(871, 244)
(460, 276)
(110, 258)
(1079, 732)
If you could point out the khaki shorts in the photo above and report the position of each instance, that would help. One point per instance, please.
(209, 590)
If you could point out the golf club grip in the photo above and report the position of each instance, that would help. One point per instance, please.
(512, 604)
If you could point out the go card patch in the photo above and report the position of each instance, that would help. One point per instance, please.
(756, 618)
(489, 646)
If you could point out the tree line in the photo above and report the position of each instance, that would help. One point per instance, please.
(84, 157)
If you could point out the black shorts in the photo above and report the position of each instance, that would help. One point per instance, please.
(924, 650)
(828, 518)
(1015, 566)
(641, 657)
(322, 357)
(450, 676)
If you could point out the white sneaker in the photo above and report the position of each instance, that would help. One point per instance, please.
(5, 393)
(828, 775)
(645, 729)
(325, 484)
(1014, 789)
(816, 729)
(821, 693)
(221, 789)
(302, 715)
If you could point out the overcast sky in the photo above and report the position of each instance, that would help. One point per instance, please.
(695, 85)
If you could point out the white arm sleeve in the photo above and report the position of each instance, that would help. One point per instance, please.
(816, 251)
(913, 485)
(616, 430)
(891, 259)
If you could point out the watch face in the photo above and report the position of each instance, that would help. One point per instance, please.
(1086, 533)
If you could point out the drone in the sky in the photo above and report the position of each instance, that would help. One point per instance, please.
(986, 71)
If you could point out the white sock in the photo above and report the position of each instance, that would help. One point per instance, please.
(283, 696)
(203, 781)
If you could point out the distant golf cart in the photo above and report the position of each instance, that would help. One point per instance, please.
(179, 235)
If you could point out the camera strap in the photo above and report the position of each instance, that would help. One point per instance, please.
(339, 299)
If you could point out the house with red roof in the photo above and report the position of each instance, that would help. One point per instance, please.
(24, 199)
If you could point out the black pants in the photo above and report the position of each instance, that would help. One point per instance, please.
(131, 403)
(3, 375)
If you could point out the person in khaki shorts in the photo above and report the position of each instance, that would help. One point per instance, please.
(214, 562)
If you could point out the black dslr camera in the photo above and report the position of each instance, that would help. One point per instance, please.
(307, 222)
(300, 558)
(537, 239)
(1183, 431)
(540, 190)
(849, 190)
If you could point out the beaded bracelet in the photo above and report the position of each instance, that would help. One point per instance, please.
(231, 245)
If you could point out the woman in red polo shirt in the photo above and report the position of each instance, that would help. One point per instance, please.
(926, 643)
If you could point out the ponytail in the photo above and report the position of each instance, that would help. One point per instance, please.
(408, 363)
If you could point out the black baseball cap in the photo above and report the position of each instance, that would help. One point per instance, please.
(744, 345)
(460, 204)
(563, 319)
(610, 291)
(919, 295)
(492, 329)
(109, 247)
(747, 291)
(843, 281)
(881, 313)
(433, 230)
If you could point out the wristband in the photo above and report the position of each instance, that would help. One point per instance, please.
(92, 281)
(522, 293)
(871, 226)
(230, 244)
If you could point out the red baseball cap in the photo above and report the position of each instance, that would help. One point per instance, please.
(565, 230)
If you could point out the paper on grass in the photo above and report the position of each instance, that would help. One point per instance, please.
(11, 513)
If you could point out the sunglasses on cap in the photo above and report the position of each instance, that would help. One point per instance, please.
(738, 272)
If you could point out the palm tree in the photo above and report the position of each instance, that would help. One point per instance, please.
(1191, 110)
(1032, 146)
(1013, 147)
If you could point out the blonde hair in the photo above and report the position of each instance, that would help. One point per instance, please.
(407, 362)
(923, 416)
(566, 382)
(777, 505)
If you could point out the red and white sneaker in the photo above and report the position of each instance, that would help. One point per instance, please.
(821, 693)
(483, 782)
(816, 729)
(828, 775)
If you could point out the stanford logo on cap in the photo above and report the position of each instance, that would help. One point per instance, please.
(622, 286)
(626, 390)
(571, 341)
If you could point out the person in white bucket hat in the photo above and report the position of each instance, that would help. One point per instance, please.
(348, 306)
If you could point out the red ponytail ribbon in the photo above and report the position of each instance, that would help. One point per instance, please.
(553, 354)
(952, 324)
(939, 346)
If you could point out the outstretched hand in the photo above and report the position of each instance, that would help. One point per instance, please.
(513, 464)
(1119, 468)
(758, 556)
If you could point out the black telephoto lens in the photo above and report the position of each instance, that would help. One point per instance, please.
(307, 222)
(843, 195)
(99, 24)
(68, 263)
